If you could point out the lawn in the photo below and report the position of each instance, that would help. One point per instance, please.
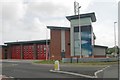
(81, 63)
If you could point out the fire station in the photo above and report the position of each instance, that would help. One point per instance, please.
(76, 40)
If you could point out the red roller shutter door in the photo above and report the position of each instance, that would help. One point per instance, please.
(38, 51)
(13, 53)
(41, 52)
(16, 53)
(42, 55)
(25, 52)
(28, 51)
(31, 51)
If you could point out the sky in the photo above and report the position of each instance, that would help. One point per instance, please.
(25, 20)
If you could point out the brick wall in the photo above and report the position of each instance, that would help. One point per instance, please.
(67, 43)
(55, 44)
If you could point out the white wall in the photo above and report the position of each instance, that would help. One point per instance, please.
(99, 51)
(62, 40)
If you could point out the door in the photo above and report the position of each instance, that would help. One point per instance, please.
(28, 51)
(41, 51)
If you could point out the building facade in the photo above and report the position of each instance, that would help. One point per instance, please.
(65, 42)
(59, 42)
(38, 49)
(81, 34)
(99, 51)
(60, 47)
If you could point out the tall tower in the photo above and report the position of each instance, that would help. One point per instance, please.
(81, 35)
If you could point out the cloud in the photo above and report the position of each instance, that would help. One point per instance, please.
(104, 34)
(12, 14)
(106, 13)
(27, 19)
(37, 25)
(13, 11)
(47, 10)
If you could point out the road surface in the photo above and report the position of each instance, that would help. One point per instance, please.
(26, 69)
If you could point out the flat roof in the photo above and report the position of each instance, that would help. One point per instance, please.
(57, 27)
(2, 46)
(91, 15)
(29, 42)
(100, 46)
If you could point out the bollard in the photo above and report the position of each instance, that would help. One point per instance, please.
(56, 65)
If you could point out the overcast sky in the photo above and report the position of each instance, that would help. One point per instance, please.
(27, 19)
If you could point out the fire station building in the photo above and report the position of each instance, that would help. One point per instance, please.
(65, 42)
(28, 50)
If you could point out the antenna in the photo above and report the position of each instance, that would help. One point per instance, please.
(76, 6)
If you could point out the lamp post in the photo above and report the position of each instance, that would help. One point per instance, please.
(77, 11)
(79, 30)
(115, 37)
(46, 44)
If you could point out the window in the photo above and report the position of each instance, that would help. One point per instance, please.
(77, 44)
(77, 51)
(76, 35)
(76, 29)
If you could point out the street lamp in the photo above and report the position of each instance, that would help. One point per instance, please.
(115, 37)
(77, 10)
(79, 30)
(46, 44)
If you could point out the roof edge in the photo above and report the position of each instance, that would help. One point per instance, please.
(27, 42)
(100, 46)
(57, 27)
(92, 15)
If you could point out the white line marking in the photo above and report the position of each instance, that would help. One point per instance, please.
(4, 76)
(82, 75)
(11, 77)
(71, 73)
(100, 71)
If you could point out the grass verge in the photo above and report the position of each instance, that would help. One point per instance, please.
(82, 63)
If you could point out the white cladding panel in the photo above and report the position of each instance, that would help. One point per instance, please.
(99, 51)
(62, 40)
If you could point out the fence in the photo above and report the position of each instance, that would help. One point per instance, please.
(76, 60)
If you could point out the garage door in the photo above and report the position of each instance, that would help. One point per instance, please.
(16, 53)
(41, 52)
(28, 51)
